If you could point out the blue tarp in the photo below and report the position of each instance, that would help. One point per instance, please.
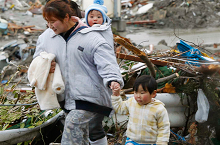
(190, 52)
(193, 53)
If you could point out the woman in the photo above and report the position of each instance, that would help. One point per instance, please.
(88, 66)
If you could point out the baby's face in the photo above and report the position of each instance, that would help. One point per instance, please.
(95, 17)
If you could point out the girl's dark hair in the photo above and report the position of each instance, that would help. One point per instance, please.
(147, 82)
(58, 9)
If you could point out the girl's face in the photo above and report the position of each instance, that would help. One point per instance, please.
(95, 17)
(56, 25)
(143, 97)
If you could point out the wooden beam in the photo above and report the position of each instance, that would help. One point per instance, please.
(138, 52)
(142, 22)
(136, 58)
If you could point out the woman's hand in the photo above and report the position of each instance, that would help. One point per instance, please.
(53, 66)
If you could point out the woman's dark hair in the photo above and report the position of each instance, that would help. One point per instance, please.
(75, 7)
(58, 9)
(147, 82)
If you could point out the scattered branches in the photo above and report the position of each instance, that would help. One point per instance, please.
(138, 52)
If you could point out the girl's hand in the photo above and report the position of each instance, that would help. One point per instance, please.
(53, 66)
(115, 86)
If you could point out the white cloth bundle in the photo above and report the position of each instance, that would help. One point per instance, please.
(47, 85)
(58, 84)
(39, 70)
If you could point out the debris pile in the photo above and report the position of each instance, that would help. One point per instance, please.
(183, 70)
(27, 5)
(175, 13)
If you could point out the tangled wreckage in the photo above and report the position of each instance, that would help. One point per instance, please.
(188, 78)
(188, 84)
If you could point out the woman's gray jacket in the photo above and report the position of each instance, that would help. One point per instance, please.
(87, 63)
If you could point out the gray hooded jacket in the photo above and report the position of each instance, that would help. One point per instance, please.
(87, 62)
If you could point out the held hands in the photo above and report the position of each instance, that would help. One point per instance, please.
(115, 86)
(53, 66)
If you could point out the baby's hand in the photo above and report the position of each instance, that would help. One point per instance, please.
(53, 66)
(115, 86)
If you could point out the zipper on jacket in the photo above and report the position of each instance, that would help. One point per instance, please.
(66, 71)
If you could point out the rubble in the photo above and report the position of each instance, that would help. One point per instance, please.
(176, 13)
(193, 74)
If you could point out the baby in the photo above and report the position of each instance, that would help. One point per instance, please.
(96, 13)
(96, 18)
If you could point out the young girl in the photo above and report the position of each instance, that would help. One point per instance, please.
(87, 63)
(148, 118)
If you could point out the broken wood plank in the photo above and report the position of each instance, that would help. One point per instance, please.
(142, 22)
(24, 27)
(36, 30)
(15, 26)
(138, 59)
(167, 78)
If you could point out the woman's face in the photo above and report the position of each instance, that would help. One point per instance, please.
(56, 25)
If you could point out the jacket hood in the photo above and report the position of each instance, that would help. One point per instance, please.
(157, 102)
(97, 27)
(77, 19)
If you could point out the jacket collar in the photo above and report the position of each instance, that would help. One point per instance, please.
(99, 28)
(51, 33)
(75, 19)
